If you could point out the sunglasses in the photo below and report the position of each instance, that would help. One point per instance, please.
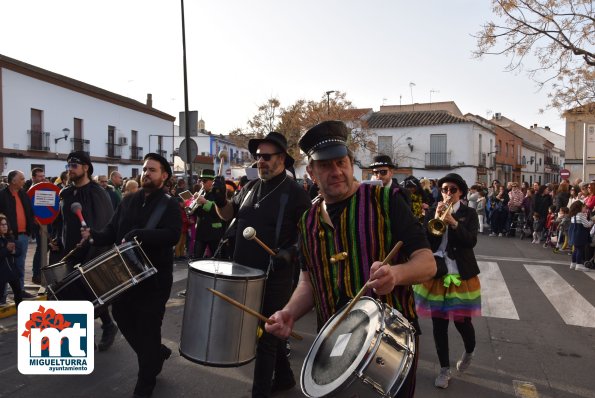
(4, 225)
(381, 172)
(265, 156)
(451, 190)
(72, 165)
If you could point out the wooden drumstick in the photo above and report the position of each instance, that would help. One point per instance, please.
(250, 234)
(221, 155)
(359, 294)
(249, 310)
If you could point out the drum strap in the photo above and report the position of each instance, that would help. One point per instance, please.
(282, 204)
(159, 210)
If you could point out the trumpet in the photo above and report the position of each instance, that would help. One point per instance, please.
(187, 195)
(437, 226)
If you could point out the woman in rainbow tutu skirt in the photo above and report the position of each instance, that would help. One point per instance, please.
(455, 291)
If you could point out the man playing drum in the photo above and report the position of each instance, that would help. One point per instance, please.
(139, 311)
(97, 209)
(272, 205)
(363, 220)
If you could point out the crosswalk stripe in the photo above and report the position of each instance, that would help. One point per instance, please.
(495, 298)
(572, 307)
(591, 275)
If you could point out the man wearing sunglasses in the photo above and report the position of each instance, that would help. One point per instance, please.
(455, 291)
(272, 205)
(382, 168)
(97, 210)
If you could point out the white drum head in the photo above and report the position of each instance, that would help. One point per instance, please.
(333, 359)
(225, 269)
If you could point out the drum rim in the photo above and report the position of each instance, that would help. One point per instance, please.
(259, 274)
(307, 382)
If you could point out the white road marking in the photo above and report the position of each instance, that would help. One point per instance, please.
(496, 300)
(180, 274)
(522, 260)
(572, 307)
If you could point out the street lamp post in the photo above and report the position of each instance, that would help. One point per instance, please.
(328, 101)
(66, 132)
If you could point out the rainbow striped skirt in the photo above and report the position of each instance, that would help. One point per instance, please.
(448, 297)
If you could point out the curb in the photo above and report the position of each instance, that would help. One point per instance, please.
(9, 310)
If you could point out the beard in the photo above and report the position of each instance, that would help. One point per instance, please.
(149, 185)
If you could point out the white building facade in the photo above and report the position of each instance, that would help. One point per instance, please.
(44, 116)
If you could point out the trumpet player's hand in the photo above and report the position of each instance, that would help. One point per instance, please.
(450, 220)
(201, 200)
(440, 209)
(382, 278)
(219, 190)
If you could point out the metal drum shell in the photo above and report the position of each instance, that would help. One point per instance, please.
(214, 332)
(56, 272)
(382, 364)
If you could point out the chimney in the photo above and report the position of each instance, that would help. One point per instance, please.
(535, 125)
(547, 128)
(498, 115)
(150, 100)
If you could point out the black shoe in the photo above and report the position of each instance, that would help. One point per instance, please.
(143, 389)
(285, 384)
(165, 354)
(27, 295)
(108, 336)
(182, 293)
(36, 280)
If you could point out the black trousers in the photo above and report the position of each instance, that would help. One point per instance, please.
(466, 330)
(139, 314)
(200, 246)
(271, 353)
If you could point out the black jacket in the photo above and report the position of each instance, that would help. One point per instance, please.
(8, 208)
(209, 227)
(461, 241)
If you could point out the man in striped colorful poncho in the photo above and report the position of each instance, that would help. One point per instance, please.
(364, 221)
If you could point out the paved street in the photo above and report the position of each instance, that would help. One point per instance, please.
(536, 339)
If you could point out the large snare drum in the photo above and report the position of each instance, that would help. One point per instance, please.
(214, 332)
(369, 354)
(106, 276)
(56, 272)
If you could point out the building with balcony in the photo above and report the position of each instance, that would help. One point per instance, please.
(432, 143)
(45, 115)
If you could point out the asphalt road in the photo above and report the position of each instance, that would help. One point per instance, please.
(536, 339)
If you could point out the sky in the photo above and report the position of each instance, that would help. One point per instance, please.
(240, 53)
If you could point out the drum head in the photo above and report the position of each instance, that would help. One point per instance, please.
(334, 358)
(226, 269)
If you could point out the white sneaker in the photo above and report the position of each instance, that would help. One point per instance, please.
(580, 267)
(465, 361)
(572, 265)
(443, 378)
(500, 234)
(493, 234)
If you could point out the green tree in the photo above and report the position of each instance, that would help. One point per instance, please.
(559, 34)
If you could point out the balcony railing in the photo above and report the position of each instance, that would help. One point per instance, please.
(78, 144)
(482, 160)
(136, 153)
(114, 150)
(38, 141)
(438, 160)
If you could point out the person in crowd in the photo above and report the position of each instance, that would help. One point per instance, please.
(578, 234)
(481, 209)
(96, 208)
(180, 186)
(590, 198)
(139, 311)
(115, 180)
(584, 191)
(473, 196)
(455, 290)
(180, 251)
(383, 170)
(343, 201)
(541, 203)
(537, 227)
(130, 188)
(272, 205)
(37, 176)
(16, 206)
(8, 251)
(499, 212)
(572, 195)
(111, 192)
(562, 223)
(515, 207)
(426, 186)
(562, 195)
(415, 196)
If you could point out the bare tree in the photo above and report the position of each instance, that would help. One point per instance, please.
(265, 120)
(560, 34)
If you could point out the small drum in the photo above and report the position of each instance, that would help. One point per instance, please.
(369, 354)
(214, 332)
(56, 272)
(106, 276)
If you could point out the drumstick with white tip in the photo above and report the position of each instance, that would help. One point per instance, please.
(249, 310)
(393, 253)
(250, 234)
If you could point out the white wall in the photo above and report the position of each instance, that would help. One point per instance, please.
(60, 106)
